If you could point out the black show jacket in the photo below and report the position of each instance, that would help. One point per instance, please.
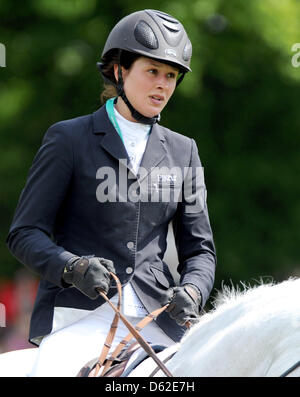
(61, 213)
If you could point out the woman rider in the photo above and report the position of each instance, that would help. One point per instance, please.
(95, 202)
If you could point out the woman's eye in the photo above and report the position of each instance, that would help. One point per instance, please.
(171, 75)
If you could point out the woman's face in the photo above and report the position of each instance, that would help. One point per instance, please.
(148, 84)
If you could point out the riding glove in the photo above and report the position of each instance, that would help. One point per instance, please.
(184, 304)
(88, 274)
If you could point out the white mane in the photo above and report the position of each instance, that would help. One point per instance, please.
(242, 297)
(246, 330)
(228, 293)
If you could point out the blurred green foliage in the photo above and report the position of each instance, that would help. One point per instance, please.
(241, 104)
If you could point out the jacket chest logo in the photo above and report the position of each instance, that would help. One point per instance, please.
(165, 180)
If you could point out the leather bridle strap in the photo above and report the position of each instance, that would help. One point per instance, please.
(133, 331)
(287, 372)
(111, 334)
(145, 321)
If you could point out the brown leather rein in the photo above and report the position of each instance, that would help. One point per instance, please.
(106, 361)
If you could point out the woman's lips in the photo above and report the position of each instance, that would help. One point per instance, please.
(157, 99)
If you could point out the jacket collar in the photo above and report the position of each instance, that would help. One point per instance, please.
(110, 141)
(155, 149)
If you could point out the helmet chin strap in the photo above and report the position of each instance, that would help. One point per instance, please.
(135, 114)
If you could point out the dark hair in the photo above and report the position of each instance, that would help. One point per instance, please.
(111, 58)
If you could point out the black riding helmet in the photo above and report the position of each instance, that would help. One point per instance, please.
(153, 34)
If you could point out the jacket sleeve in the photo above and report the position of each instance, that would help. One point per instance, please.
(192, 231)
(30, 235)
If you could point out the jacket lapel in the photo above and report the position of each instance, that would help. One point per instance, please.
(155, 151)
(110, 140)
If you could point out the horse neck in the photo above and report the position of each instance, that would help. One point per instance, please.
(241, 337)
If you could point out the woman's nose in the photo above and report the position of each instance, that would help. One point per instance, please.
(162, 82)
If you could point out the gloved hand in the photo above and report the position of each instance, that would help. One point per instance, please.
(184, 304)
(88, 274)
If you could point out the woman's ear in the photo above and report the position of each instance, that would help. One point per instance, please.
(116, 72)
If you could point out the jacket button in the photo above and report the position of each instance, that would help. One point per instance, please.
(130, 245)
(129, 270)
